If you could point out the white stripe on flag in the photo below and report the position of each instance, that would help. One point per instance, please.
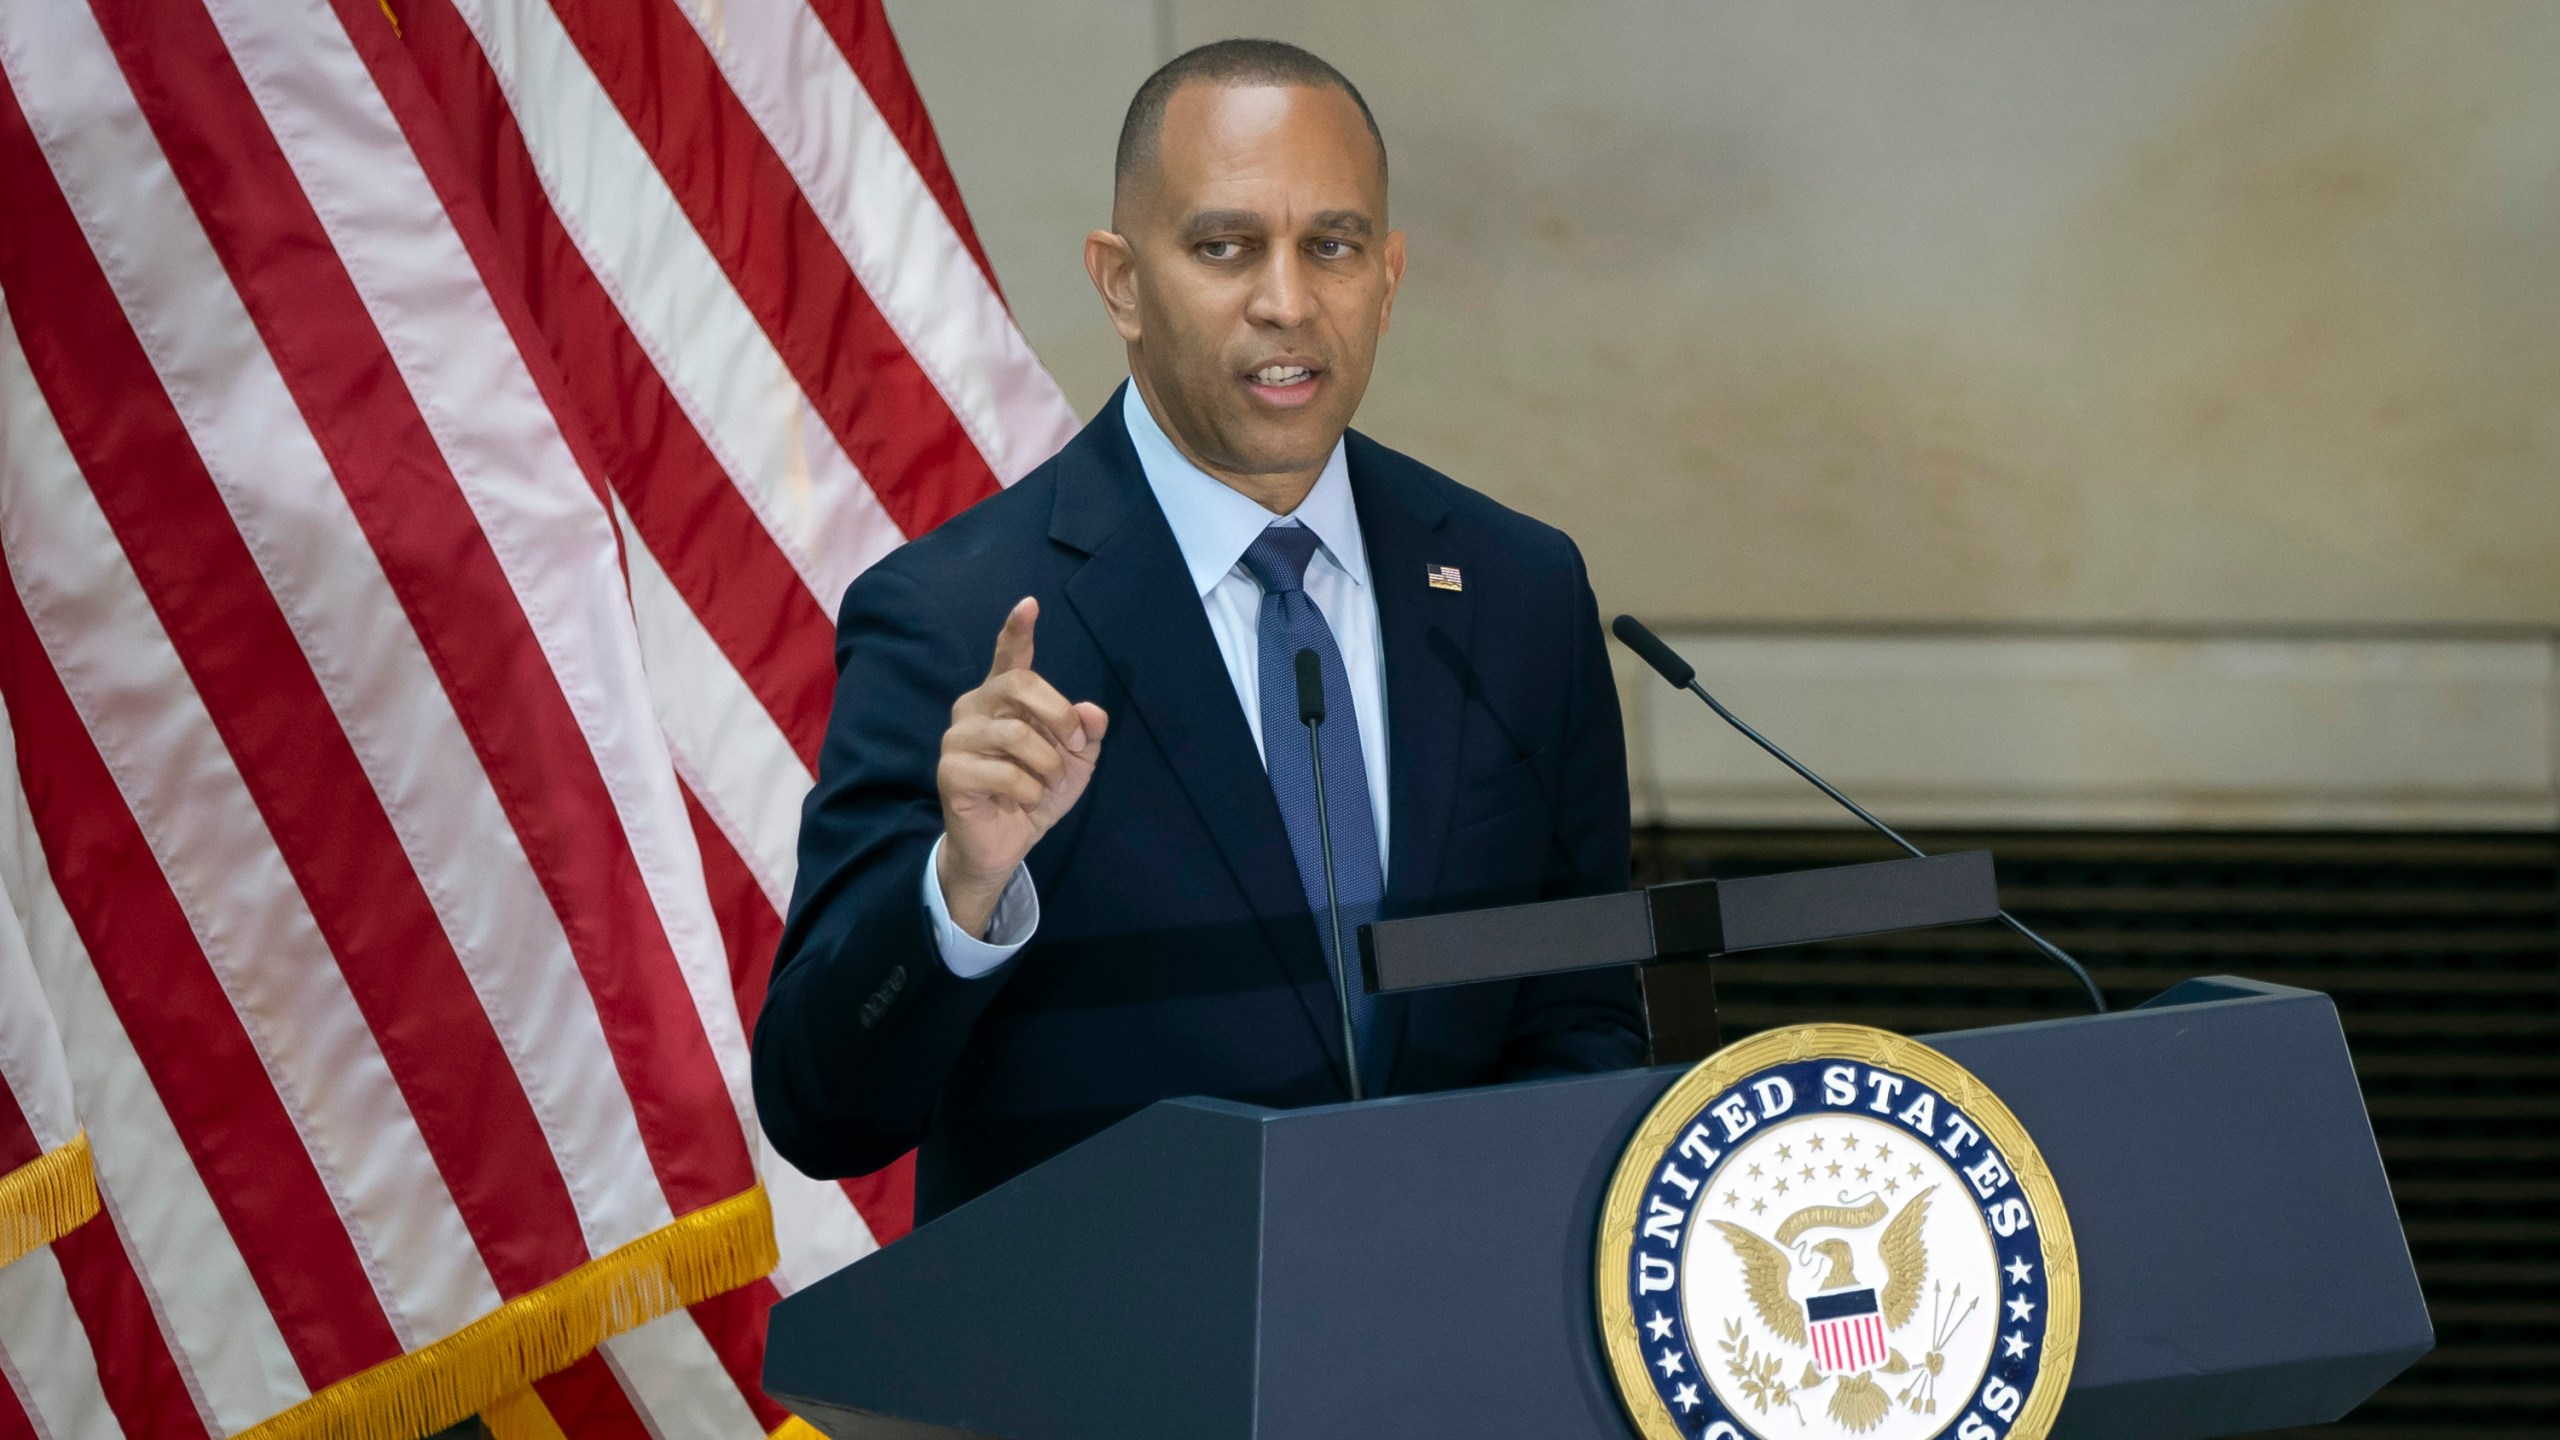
(210, 1307)
(742, 766)
(814, 1222)
(239, 897)
(679, 304)
(552, 538)
(45, 1355)
(33, 1072)
(671, 1372)
(750, 781)
(385, 693)
(788, 73)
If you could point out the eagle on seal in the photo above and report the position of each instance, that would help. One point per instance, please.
(1857, 1401)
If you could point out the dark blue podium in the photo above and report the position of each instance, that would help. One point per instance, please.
(1421, 1266)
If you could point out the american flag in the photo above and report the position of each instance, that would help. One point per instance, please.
(1847, 1331)
(434, 436)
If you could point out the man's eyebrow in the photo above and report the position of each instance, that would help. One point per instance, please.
(1206, 223)
(1210, 222)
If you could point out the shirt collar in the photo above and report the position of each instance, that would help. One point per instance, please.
(1214, 524)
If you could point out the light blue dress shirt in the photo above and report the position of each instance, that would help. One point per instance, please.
(1213, 524)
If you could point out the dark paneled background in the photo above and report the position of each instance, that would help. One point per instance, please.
(2442, 951)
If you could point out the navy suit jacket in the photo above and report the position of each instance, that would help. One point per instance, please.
(1175, 953)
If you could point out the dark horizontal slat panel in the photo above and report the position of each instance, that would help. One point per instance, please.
(2458, 1147)
(2363, 942)
(2455, 1107)
(2454, 1024)
(2026, 969)
(2356, 1428)
(2478, 1232)
(2186, 852)
(2508, 1357)
(2474, 1063)
(2500, 1312)
(1740, 1019)
(2309, 903)
(2409, 1192)
(2499, 1272)
(2418, 1394)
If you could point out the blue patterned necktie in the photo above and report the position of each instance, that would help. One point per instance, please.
(1290, 622)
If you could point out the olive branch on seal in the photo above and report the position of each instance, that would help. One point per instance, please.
(1760, 1377)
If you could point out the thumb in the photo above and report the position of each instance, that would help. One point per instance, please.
(1013, 642)
(1094, 722)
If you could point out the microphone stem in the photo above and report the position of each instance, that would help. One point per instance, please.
(1333, 904)
(1765, 743)
(2053, 952)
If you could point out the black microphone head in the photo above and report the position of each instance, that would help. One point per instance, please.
(1310, 687)
(1666, 662)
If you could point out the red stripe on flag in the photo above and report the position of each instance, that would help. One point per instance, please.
(18, 1143)
(14, 1424)
(457, 597)
(587, 1403)
(687, 510)
(183, 1027)
(319, 805)
(886, 1198)
(189, 1038)
(734, 1324)
(750, 930)
(861, 31)
(893, 422)
(136, 1370)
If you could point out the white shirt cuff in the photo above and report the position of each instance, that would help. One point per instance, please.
(1017, 915)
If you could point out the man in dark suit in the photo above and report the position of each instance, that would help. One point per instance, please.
(1006, 936)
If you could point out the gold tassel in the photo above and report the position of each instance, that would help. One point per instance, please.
(521, 1416)
(541, 1332)
(47, 1198)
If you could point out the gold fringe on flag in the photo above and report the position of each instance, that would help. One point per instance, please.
(47, 1198)
(716, 1248)
(521, 1416)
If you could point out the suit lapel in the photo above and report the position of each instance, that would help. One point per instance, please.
(1425, 633)
(1134, 596)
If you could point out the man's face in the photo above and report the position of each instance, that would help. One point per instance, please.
(1257, 275)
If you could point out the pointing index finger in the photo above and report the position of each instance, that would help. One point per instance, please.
(1013, 642)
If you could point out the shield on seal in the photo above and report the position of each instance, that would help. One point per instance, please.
(1847, 1331)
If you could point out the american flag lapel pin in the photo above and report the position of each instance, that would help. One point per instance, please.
(1445, 577)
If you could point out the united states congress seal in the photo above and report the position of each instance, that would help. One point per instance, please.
(1832, 1231)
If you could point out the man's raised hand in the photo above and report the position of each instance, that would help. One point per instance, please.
(1015, 759)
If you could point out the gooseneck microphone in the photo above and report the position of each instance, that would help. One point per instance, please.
(1666, 662)
(1311, 715)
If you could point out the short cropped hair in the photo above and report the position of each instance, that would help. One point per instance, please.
(1226, 63)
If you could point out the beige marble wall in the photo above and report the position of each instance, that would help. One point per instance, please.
(2225, 311)
(2226, 316)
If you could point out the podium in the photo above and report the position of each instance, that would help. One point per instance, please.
(1422, 1266)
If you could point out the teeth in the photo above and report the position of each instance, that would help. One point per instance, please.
(1282, 374)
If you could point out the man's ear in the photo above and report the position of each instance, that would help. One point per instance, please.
(1393, 253)
(1113, 267)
